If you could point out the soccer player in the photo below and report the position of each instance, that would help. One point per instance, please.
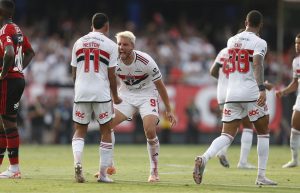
(246, 95)
(292, 87)
(141, 83)
(247, 134)
(94, 59)
(15, 54)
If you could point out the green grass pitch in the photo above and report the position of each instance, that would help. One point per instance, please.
(50, 169)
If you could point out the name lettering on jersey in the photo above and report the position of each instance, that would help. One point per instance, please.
(79, 114)
(91, 45)
(142, 59)
(131, 79)
(237, 45)
(253, 112)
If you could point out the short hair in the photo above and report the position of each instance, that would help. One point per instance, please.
(254, 18)
(126, 34)
(9, 6)
(99, 20)
(298, 35)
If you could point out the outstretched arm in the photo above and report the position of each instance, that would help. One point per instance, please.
(292, 87)
(165, 98)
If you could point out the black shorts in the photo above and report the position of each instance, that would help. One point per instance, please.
(11, 91)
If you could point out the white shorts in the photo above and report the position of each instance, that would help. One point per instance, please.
(143, 105)
(233, 111)
(296, 107)
(82, 112)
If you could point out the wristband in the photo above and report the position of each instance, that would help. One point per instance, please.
(261, 87)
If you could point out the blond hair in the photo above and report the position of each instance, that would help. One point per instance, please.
(126, 34)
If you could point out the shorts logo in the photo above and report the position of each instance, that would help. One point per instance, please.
(79, 114)
(103, 115)
(16, 106)
(253, 112)
(227, 112)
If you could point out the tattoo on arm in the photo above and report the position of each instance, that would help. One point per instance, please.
(258, 69)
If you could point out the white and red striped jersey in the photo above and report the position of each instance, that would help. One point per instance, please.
(138, 77)
(296, 71)
(242, 85)
(92, 55)
(222, 79)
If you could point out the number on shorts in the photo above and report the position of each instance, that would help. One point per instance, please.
(153, 102)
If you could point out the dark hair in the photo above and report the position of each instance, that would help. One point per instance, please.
(298, 35)
(98, 20)
(8, 6)
(254, 18)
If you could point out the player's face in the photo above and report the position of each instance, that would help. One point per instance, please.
(297, 45)
(125, 48)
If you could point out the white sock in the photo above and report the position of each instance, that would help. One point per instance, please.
(223, 140)
(294, 143)
(77, 147)
(14, 168)
(105, 152)
(246, 143)
(223, 151)
(113, 141)
(263, 153)
(153, 152)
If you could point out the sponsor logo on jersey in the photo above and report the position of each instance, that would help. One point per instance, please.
(154, 110)
(79, 114)
(253, 112)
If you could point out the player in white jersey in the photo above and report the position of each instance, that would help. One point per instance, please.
(292, 87)
(246, 95)
(141, 84)
(94, 58)
(247, 134)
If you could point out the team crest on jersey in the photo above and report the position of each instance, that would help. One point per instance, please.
(130, 79)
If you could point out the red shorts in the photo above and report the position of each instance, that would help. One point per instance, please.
(11, 91)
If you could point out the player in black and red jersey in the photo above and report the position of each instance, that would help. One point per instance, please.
(15, 55)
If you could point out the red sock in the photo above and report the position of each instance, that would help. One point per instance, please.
(13, 142)
(3, 145)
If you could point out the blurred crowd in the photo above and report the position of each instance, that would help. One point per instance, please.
(183, 52)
